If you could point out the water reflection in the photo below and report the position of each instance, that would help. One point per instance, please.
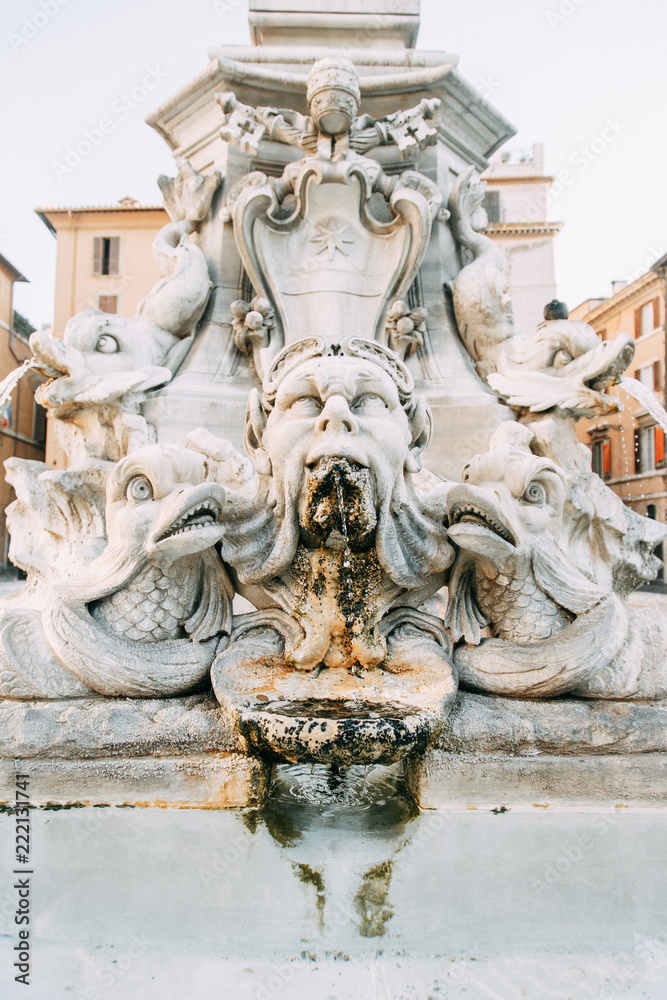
(341, 830)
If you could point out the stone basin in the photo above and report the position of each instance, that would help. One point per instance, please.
(337, 732)
(336, 717)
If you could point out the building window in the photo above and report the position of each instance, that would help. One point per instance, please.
(650, 376)
(38, 423)
(492, 206)
(602, 458)
(647, 318)
(106, 255)
(643, 450)
(649, 449)
(108, 303)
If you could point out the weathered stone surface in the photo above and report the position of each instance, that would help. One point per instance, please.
(561, 367)
(483, 724)
(347, 291)
(101, 370)
(553, 629)
(114, 728)
(209, 781)
(441, 780)
(90, 728)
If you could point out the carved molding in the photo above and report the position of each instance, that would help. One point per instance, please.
(332, 245)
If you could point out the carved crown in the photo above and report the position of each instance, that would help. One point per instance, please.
(332, 73)
(352, 347)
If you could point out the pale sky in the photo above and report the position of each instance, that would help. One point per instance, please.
(585, 77)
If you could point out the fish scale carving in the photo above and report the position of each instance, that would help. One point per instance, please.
(520, 612)
(153, 606)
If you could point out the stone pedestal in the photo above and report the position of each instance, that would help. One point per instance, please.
(212, 385)
(494, 753)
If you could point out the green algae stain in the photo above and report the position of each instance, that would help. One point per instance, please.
(309, 876)
(371, 901)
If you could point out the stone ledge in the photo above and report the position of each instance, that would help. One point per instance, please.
(449, 781)
(487, 724)
(212, 781)
(177, 727)
(89, 728)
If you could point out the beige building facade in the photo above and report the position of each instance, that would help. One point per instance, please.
(104, 261)
(105, 258)
(22, 422)
(628, 448)
(516, 202)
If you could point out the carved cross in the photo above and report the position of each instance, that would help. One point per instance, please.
(244, 131)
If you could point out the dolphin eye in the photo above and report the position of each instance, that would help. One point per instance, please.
(561, 358)
(535, 494)
(139, 489)
(107, 344)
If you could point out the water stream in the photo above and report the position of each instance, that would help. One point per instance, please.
(347, 555)
(9, 383)
(647, 398)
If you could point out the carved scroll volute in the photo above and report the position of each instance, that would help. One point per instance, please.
(256, 201)
(416, 202)
(332, 265)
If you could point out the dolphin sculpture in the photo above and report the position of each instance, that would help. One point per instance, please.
(147, 617)
(551, 629)
(561, 367)
(101, 369)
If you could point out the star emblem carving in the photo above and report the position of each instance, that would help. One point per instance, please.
(331, 238)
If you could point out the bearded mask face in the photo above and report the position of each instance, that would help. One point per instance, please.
(335, 452)
(336, 408)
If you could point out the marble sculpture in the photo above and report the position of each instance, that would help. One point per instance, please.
(373, 584)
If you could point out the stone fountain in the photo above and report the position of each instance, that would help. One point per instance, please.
(330, 296)
(411, 564)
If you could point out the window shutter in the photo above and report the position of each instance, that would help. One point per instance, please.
(595, 458)
(114, 255)
(638, 451)
(659, 443)
(656, 313)
(97, 255)
(492, 206)
(108, 303)
(606, 458)
(657, 376)
(603, 334)
(39, 423)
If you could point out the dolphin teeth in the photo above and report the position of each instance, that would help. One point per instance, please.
(470, 512)
(200, 516)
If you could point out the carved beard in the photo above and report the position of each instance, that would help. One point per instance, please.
(410, 537)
